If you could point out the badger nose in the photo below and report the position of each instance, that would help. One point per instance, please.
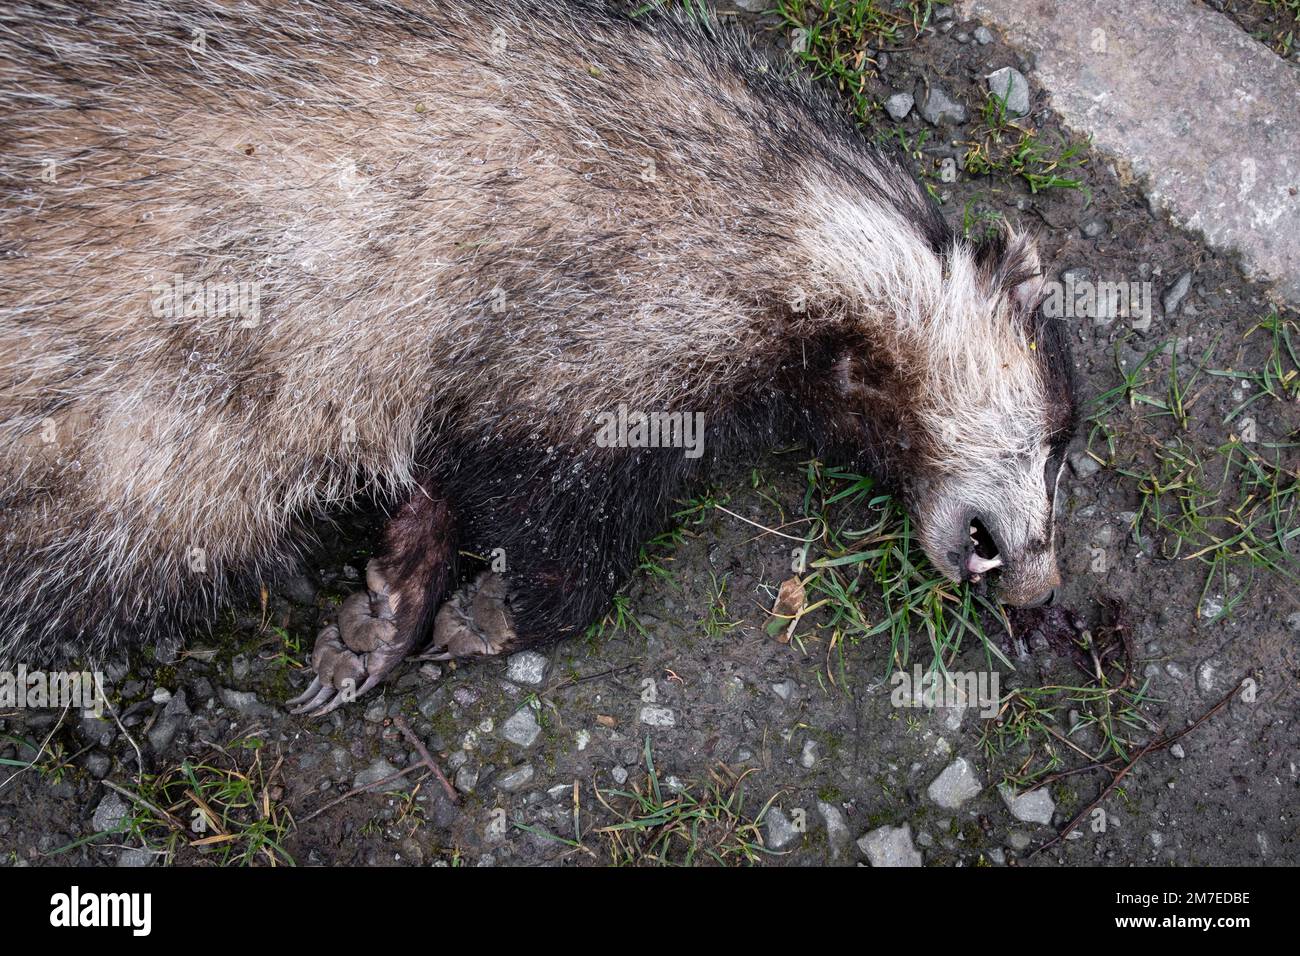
(1044, 599)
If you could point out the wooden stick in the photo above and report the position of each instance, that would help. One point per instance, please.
(425, 757)
(1158, 744)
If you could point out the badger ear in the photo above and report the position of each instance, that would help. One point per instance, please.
(1029, 293)
(1008, 261)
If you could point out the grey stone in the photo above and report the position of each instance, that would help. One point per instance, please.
(516, 779)
(837, 830)
(1010, 85)
(1083, 465)
(1033, 807)
(1178, 752)
(243, 701)
(1173, 296)
(370, 777)
(136, 857)
(466, 778)
(163, 732)
(1019, 839)
(940, 109)
(951, 717)
(1210, 132)
(1207, 674)
(784, 690)
(619, 775)
(527, 667)
(109, 814)
(657, 717)
(98, 764)
(956, 785)
(780, 831)
(890, 846)
(177, 706)
(432, 702)
(899, 105)
(174, 716)
(521, 727)
(1094, 228)
(808, 758)
(983, 36)
(465, 696)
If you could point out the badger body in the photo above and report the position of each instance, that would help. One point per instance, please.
(262, 261)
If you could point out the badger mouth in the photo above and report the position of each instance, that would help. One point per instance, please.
(982, 556)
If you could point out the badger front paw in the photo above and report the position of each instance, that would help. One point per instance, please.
(354, 654)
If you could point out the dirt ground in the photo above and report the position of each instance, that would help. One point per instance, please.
(684, 731)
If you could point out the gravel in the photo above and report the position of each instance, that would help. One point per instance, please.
(521, 727)
(527, 667)
(940, 109)
(899, 105)
(890, 846)
(516, 779)
(1011, 84)
(658, 717)
(955, 786)
(808, 758)
(1173, 296)
(373, 774)
(110, 812)
(837, 830)
(1033, 807)
(781, 833)
(1083, 465)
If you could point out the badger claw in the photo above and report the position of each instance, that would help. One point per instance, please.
(356, 653)
(310, 693)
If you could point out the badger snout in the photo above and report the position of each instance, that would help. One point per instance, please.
(1023, 573)
(1031, 579)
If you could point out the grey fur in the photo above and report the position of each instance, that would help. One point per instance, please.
(468, 224)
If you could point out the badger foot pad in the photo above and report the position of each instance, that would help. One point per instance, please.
(474, 622)
(354, 654)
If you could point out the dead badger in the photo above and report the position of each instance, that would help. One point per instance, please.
(261, 261)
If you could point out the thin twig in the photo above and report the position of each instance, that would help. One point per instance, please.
(1158, 744)
(356, 790)
(139, 756)
(425, 757)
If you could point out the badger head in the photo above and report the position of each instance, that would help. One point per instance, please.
(995, 411)
(965, 394)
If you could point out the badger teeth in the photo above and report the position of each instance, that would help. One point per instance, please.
(977, 565)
